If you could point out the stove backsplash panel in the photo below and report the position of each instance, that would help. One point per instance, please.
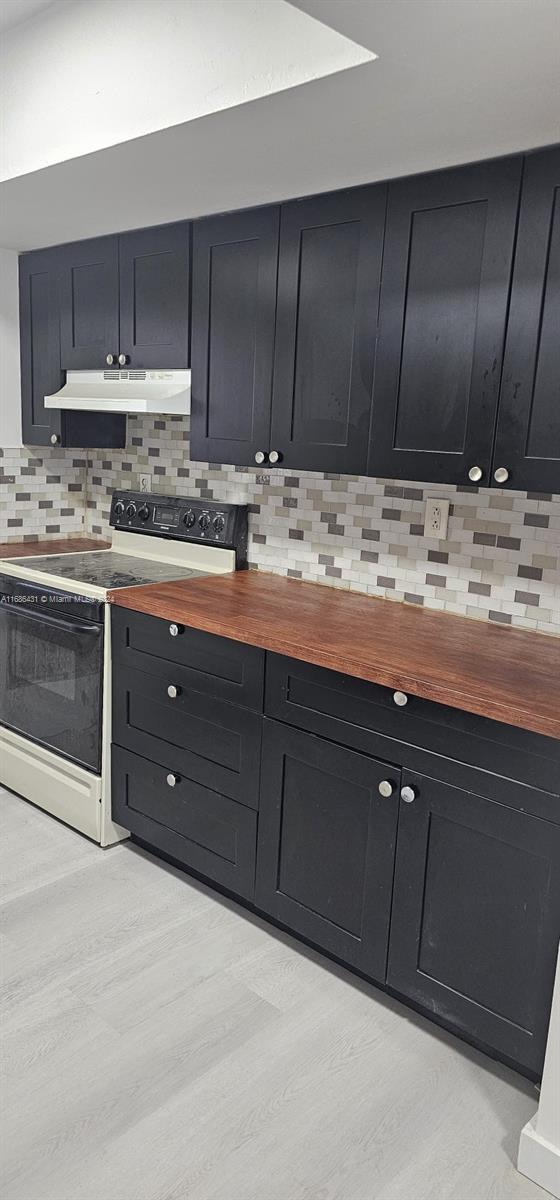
(501, 559)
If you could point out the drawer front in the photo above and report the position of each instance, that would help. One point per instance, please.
(213, 743)
(216, 666)
(522, 769)
(200, 828)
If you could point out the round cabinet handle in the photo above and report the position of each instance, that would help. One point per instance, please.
(408, 794)
(274, 456)
(54, 439)
(173, 691)
(260, 457)
(111, 358)
(386, 788)
(172, 779)
(175, 630)
(501, 475)
(123, 359)
(475, 474)
(400, 699)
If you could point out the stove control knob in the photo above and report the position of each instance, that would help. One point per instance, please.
(189, 519)
(119, 508)
(204, 520)
(219, 523)
(144, 512)
(131, 510)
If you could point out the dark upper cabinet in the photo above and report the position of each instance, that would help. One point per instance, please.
(475, 917)
(126, 296)
(41, 372)
(154, 288)
(528, 433)
(89, 303)
(326, 323)
(326, 845)
(233, 312)
(448, 252)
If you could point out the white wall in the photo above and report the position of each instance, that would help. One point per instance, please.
(86, 74)
(10, 395)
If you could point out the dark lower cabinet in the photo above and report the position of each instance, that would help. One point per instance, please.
(326, 845)
(527, 444)
(192, 824)
(449, 241)
(476, 916)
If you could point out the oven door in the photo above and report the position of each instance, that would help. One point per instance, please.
(51, 669)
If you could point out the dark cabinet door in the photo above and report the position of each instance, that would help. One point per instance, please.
(326, 845)
(326, 329)
(41, 374)
(233, 312)
(154, 270)
(476, 915)
(89, 298)
(528, 433)
(446, 274)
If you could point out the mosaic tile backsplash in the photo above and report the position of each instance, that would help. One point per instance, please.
(500, 561)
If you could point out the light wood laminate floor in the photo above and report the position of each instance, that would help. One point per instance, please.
(161, 1044)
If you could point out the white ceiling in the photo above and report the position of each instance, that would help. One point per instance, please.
(456, 80)
(14, 12)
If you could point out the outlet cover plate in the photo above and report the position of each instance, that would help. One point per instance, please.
(436, 518)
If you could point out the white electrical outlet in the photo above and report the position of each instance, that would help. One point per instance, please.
(145, 483)
(436, 518)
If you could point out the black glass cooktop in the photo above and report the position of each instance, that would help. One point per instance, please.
(106, 569)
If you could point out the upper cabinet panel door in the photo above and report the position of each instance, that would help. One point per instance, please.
(528, 434)
(235, 260)
(446, 273)
(39, 345)
(154, 270)
(326, 329)
(89, 298)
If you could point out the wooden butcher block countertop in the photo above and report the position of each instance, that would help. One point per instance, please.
(510, 675)
(65, 545)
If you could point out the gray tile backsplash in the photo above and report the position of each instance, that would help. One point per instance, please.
(501, 559)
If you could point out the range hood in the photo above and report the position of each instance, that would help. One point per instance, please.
(128, 391)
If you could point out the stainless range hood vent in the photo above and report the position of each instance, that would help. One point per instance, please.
(129, 391)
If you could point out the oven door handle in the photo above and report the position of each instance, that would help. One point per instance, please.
(68, 626)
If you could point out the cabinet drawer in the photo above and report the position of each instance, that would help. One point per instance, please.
(198, 827)
(213, 743)
(215, 666)
(522, 769)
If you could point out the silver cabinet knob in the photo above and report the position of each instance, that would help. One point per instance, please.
(111, 358)
(123, 359)
(274, 456)
(386, 788)
(260, 457)
(400, 699)
(54, 439)
(173, 691)
(174, 630)
(475, 474)
(172, 779)
(501, 475)
(408, 794)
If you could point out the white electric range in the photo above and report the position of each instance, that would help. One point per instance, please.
(55, 646)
